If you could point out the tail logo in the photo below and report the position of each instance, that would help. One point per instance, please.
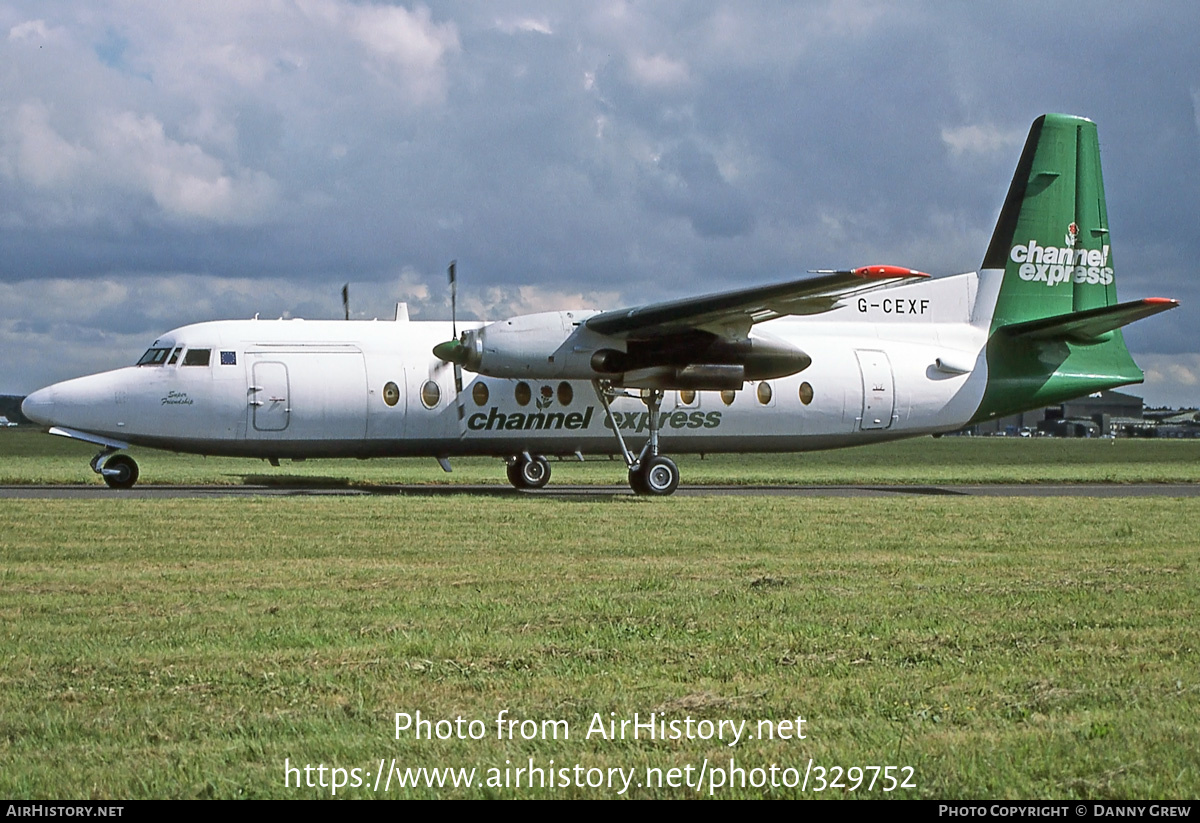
(1052, 266)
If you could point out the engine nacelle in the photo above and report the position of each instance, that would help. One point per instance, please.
(544, 346)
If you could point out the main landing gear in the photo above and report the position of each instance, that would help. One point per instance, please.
(527, 471)
(120, 471)
(650, 473)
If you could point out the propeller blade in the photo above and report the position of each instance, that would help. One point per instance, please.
(455, 352)
(453, 297)
(458, 391)
(346, 300)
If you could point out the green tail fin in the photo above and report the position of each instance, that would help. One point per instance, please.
(1054, 329)
(1052, 236)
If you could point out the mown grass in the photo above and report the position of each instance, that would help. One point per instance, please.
(1004, 648)
(28, 456)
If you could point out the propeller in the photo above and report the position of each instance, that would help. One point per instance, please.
(346, 300)
(458, 354)
(453, 351)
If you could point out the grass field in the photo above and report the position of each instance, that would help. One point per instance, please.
(1001, 648)
(29, 456)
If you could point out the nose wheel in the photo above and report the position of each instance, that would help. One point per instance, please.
(120, 471)
(529, 471)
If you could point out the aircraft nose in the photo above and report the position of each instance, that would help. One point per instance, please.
(39, 405)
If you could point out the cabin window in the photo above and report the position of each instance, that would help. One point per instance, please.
(565, 393)
(154, 357)
(806, 393)
(764, 393)
(523, 394)
(391, 393)
(431, 393)
(727, 397)
(688, 398)
(479, 393)
(197, 357)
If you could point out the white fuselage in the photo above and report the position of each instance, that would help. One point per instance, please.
(895, 362)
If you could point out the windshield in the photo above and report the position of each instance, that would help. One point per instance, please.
(154, 357)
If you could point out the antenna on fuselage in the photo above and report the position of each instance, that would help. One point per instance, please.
(346, 300)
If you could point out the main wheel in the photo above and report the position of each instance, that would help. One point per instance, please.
(637, 481)
(658, 476)
(529, 474)
(120, 471)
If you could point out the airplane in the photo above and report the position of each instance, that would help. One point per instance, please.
(846, 357)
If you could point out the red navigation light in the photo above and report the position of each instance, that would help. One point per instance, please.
(883, 272)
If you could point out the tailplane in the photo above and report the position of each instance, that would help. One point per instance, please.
(1055, 331)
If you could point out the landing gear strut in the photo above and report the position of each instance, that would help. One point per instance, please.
(527, 471)
(650, 473)
(120, 471)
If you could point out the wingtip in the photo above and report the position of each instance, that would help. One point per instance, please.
(884, 272)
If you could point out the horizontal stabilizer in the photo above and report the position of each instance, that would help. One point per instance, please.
(1091, 325)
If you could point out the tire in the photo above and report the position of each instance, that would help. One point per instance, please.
(120, 471)
(637, 482)
(658, 477)
(529, 474)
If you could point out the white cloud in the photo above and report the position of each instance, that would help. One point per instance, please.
(1171, 379)
(501, 302)
(37, 153)
(408, 40)
(658, 71)
(122, 153)
(526, 24)
(977, 139)
(31, 30)
(183, 180)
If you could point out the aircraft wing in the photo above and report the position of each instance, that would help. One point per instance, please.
(732, 313)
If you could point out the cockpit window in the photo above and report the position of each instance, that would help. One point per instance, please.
(196, 357)
(154, 357)
(174, 356)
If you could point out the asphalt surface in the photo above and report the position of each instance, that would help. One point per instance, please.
(99, 492)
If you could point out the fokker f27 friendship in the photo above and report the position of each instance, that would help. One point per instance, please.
(846, 357)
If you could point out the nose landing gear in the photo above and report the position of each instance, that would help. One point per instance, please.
(528, 471)
(120, 471)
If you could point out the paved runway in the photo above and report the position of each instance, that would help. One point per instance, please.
(99, 492)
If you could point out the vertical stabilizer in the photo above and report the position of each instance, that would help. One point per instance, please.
(1053, 254)
(1052, 237)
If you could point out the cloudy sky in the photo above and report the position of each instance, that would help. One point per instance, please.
(166, 163)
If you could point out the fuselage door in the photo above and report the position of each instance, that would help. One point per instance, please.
(269, 397)
(879, 397)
